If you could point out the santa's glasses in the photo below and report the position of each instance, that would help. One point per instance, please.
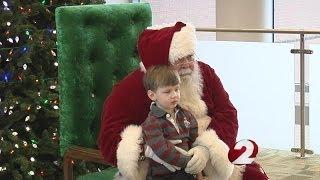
(185, 61)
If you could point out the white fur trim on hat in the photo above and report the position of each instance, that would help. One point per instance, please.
(160, 26)
(142, 67)
(183, 43)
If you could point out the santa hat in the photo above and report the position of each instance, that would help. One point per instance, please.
(159, 45)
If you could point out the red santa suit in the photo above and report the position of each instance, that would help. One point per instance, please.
(128, 105)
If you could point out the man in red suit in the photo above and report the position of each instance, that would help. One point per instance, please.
(202, 93)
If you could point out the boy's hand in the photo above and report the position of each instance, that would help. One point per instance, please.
(182, 151)
(176, 141)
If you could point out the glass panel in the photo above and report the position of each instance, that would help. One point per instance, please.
(259, 78)
(314, 97)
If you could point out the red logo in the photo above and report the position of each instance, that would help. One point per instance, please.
(243, 152)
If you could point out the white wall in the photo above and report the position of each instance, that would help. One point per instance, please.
(296, 14)
(259, 79)
(199, 13)
(244, 14)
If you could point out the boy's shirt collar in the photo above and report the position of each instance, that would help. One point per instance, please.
(159, 112)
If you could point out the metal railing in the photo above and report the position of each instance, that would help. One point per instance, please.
(302, 51)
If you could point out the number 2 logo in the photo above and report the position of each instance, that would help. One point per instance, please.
(244, 152)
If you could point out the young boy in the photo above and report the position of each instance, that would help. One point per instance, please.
(167, 122)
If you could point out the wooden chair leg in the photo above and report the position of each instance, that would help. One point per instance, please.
(67, 168)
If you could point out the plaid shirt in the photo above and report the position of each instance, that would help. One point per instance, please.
(158, 130)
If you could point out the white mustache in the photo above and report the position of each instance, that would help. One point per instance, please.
(184, 72)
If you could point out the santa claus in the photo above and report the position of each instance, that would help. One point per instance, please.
(202, 93)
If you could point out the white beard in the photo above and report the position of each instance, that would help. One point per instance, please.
(191, 91)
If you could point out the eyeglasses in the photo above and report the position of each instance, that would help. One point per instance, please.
(185, 60)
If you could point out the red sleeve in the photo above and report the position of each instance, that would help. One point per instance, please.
(127, 104)
(114, 118)
(224, 115)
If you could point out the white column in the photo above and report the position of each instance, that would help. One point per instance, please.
(248, 14)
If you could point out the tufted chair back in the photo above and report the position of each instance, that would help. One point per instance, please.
(96, 48)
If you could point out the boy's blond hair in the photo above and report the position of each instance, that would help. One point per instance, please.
(160, 76)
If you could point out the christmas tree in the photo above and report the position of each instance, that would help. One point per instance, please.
(29, 104)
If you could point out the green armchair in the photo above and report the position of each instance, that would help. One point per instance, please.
(96, 48)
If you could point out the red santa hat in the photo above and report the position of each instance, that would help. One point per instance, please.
(161, 45)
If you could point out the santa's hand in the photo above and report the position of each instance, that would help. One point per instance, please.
(150, 154)
(198, 161)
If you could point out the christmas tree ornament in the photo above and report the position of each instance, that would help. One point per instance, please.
(6, 76)
(17, 39)
(5, 109)
(24, 50)
(24, 67)
(31, 173)
(2, 168)
(53, 53)
(10, 40)
(6, 6)
(14, 133)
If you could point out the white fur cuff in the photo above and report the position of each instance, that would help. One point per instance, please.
(128, 151)
(218, 151)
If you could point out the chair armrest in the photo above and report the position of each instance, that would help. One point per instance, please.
(79, 153)
(86, 154)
